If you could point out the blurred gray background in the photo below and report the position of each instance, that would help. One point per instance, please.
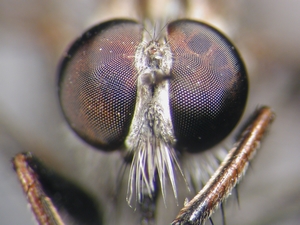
(33, 36)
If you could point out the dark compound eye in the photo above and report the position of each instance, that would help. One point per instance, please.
(97, 82)
(209, 85)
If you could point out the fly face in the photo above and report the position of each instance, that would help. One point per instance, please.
(152, 99)
(155, 98)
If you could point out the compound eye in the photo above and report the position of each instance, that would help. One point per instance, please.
(97, 83)
(209, 85)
